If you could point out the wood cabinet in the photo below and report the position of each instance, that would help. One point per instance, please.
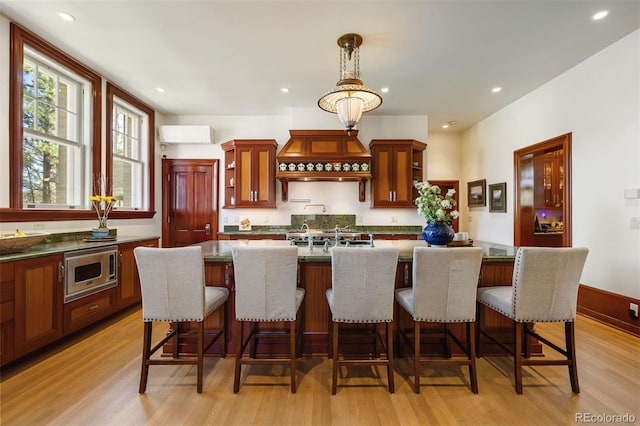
(7, 312)
(249, 178)
(549, 179)
(396, 164)
(128, 291)
(87, 310)
(38, 302)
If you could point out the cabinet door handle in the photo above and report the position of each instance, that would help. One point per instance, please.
(92, 308)
(390, 195)
(207, 229)
(60, 272)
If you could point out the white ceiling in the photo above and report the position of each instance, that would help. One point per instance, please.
(439, 58)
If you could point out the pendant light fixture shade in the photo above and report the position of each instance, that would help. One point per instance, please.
(350, 98)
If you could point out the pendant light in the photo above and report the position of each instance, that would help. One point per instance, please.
(350, 98)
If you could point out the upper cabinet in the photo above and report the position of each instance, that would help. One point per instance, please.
(549, 178)
(249, 176)
(395, 165)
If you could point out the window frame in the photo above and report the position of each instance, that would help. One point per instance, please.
(19, 37)
(115, 91)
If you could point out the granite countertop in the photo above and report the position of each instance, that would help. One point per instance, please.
(220, 251)
(52, 246)
(281, 231)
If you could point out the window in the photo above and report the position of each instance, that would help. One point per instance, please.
(55, 142)
(130, 144)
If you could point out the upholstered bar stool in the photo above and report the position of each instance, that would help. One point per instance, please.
(544, 289)
(445, 281)
(173, 290)
(266, 291)
(363, 280)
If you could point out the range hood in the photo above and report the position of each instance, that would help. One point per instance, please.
(323, 155)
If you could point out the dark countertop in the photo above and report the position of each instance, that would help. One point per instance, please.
(61, 247)
(280, 231)
(220, 251)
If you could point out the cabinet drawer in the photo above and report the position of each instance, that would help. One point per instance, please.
(85, 311)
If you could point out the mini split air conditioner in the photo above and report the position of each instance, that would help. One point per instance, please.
(186, 134)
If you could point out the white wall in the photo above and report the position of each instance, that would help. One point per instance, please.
(599, 102)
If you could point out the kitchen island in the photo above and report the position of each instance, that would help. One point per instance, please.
(315, 276)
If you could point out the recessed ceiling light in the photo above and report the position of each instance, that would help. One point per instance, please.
(384, 90)
(496, 89)
(600, 15)
(66, 16)
(160, 89)
(445, 126)
(449, 124)
(284, 90)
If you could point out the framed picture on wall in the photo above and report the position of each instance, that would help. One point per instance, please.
(498, 197)
(476, 193)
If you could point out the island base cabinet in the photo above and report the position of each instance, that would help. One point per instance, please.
(315, 320)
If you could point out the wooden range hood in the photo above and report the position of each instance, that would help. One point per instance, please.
(323, 155)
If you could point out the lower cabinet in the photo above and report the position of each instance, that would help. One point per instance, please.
(128, 290)
(7, 301)
(38, 302)
(85, 311)
(32, 309)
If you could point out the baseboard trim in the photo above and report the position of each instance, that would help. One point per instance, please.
(608, 308)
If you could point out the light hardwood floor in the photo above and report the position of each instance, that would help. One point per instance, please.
(93, 380)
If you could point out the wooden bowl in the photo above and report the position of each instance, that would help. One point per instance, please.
(9, 243)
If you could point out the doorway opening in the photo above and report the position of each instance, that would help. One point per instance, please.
(543, 194)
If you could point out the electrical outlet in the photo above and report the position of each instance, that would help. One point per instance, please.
(635, 223)
(225, 220)
(633, 310)
(469, 218)
(394, 219)
(38, 226)
(266, 219)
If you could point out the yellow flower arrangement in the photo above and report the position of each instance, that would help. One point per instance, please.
(102, 203)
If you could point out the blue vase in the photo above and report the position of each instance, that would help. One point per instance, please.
(437, 233)
(100, 232)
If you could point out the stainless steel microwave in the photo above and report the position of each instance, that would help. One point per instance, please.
(90, 271)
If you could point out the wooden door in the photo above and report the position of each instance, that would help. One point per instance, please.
(190, 201)
(403, 182)
(528, 164)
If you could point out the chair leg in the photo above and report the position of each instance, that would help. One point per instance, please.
(390, 369)
(478, 328)
(447, 343)
(526, 343)
(223, 336)
(292, 354)
(471, 348)
(334, 383)
(239, 342)
(570, 339)
(176, 342)
(200, 355)
(517, 355)
(146, 349)
(416, 356)
(253, 344)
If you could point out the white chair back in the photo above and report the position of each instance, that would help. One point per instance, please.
(445, 282)
(545, 283)
(172, 282)
(266, 283)
(363, 283)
